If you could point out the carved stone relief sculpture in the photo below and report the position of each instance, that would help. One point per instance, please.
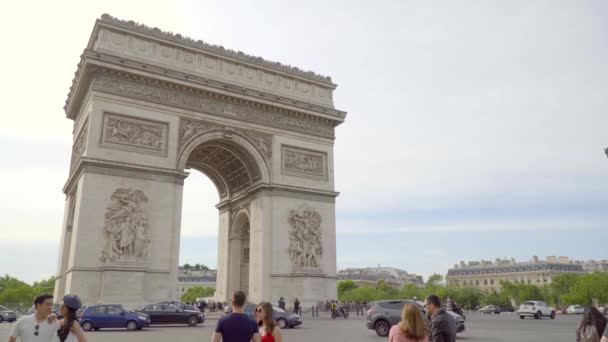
(305, 245)
(143, 135)
(126, 229)
(304, 163)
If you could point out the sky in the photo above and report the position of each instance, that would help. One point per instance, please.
(475, 129)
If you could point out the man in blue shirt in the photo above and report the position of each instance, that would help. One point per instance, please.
(237, 326)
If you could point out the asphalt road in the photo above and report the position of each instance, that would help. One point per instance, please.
(490, 328)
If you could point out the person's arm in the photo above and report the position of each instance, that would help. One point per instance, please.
(278, 336)
(77, 331)
(15, 332)
(436, 333)
(255, 338)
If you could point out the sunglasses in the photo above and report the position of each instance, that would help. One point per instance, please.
(36, 332)
(258, 310)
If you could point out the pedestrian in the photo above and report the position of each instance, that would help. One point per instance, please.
(269, 329)
(442, 326)
(296, 306)
(69, 329)
(39, 326)
(237, 326)
(411, 328)
(591, 326)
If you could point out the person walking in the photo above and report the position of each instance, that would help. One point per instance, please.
(591, 326)
(269, 329)
(39, 326)
(442, 326)
(411, 328)
(237, 326)
(69, 329)
(296, 306)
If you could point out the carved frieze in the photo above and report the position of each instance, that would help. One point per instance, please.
(126, 230)
(305, 243)
(193, 99)
(304, 163)
(189, 129)
(125, 132)
(79, 146)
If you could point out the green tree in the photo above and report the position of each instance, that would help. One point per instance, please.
(344, 286)
(187, 267)
(434, 280)
(197, 292)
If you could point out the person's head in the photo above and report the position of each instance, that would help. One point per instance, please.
(263, 315)
(432, 305)
(238, 299)
(412, 323)
(593, 316)
(71, 304)
(43, 304)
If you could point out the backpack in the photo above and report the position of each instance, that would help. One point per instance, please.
(590, 334)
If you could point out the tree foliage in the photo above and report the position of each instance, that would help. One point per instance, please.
(197, 292)
(14, 292)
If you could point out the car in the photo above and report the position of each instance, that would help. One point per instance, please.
(283, 318)
(536, 309)
(490, 309)
(95, 317)
(382, 315)
(181, 305)
(165, 313)
(459, 321)
(7, 315)
(575, 310)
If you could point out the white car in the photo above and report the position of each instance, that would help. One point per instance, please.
(575, 310)
(535, 309)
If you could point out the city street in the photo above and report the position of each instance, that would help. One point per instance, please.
(503, 328)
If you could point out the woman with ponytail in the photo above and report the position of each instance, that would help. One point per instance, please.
(269, 330)
(69, 329)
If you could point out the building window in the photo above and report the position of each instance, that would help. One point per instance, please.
(477, 282)
(492, 281)
(485, 281)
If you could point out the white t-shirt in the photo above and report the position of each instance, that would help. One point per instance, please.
(25, 327)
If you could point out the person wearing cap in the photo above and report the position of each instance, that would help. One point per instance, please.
(69, 329)
(39, 326)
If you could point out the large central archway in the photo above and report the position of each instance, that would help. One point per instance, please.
(237, 169)
(148, 106)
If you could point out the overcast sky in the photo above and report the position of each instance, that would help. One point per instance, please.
(475, 129)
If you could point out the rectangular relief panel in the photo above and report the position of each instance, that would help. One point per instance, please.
(134, 134)
(301, 162)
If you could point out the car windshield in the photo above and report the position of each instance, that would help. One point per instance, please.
(277, 309)
(125, 309)
(3, 308)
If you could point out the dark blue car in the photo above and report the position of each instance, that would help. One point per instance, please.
(112, 316)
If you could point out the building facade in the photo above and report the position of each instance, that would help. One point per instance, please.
(488, 275)
(187, 279)
(371, 275)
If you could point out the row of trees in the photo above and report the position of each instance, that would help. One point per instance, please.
(196, 292)
(15, 293)
(196, 267)
(566, 289)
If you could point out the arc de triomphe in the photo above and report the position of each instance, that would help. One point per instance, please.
(148, 105)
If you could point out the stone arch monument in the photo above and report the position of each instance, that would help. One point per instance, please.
(148, 105)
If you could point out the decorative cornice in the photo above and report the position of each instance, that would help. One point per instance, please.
(121, 83)
(216, 49)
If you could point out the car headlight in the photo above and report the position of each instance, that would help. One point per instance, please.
(142, 317)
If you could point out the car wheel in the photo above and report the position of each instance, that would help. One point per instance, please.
(1, 319)
(282, 323)
(522, 317)
(87, 326)
(382, 328)
(552, 315)
(538, 315)
(131, 326)
(192, 321)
